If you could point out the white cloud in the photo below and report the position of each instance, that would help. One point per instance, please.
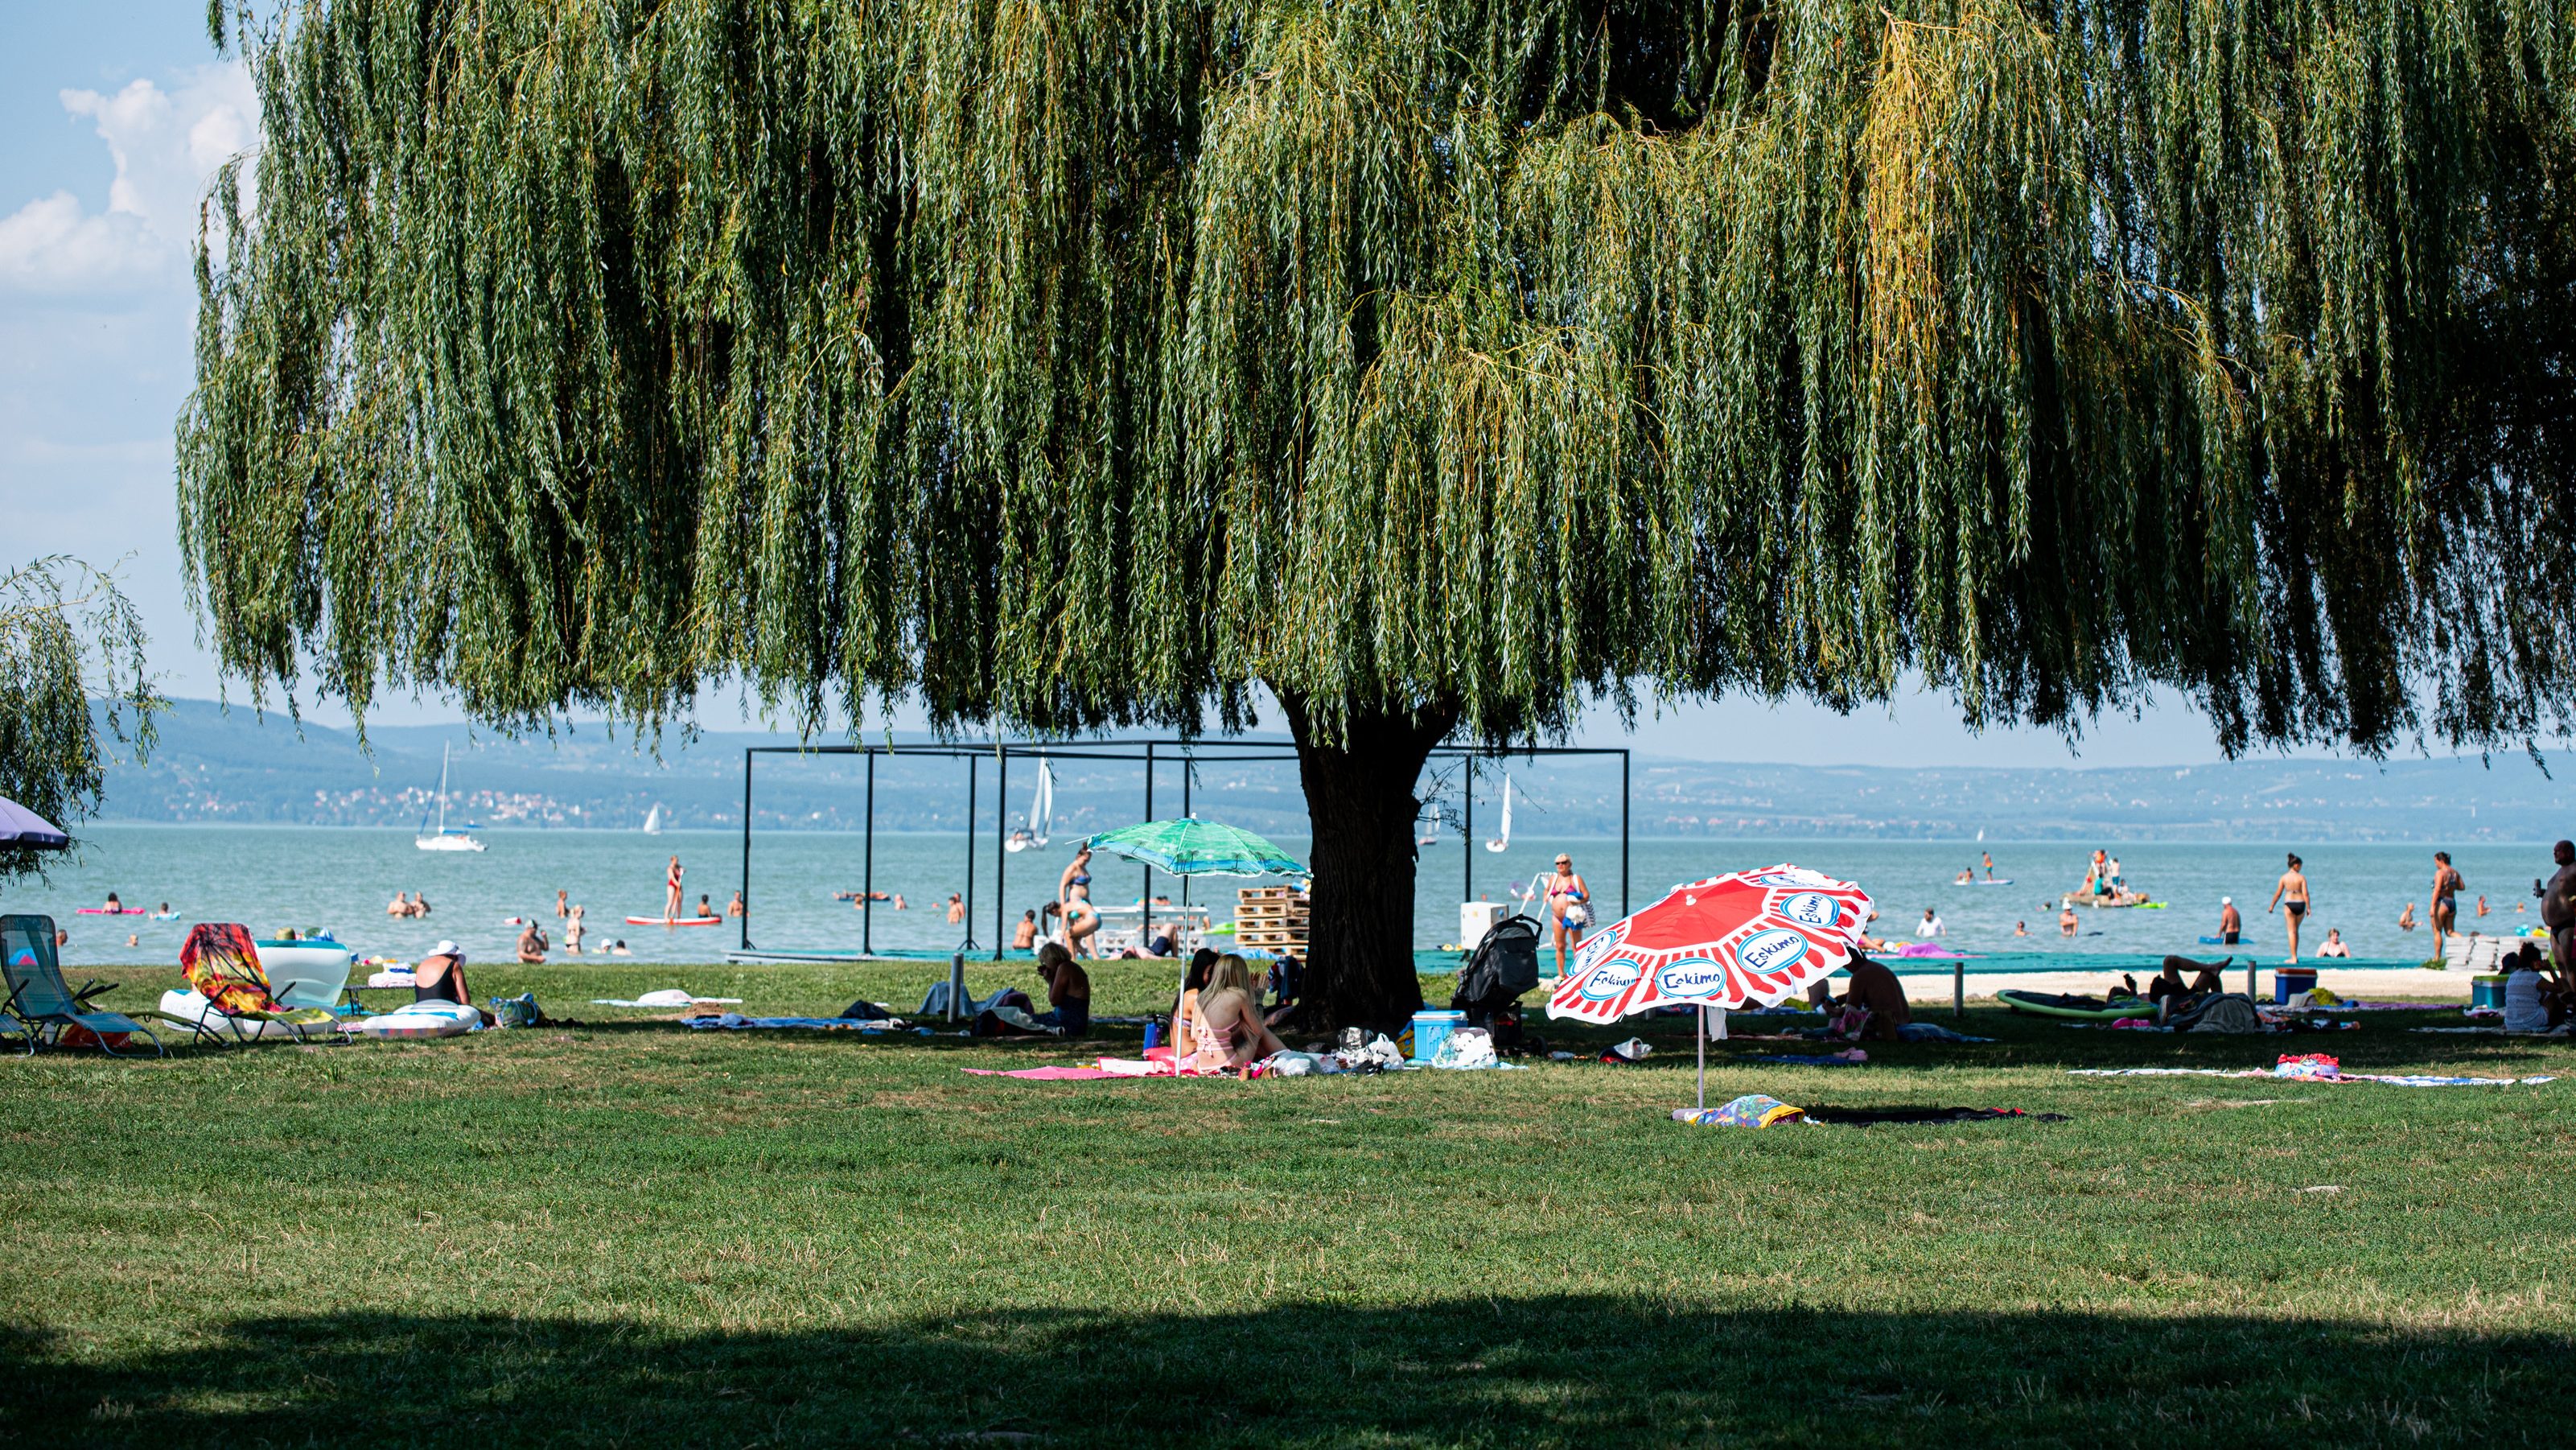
(165, 145)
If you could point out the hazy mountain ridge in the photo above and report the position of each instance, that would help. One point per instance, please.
(218, 765)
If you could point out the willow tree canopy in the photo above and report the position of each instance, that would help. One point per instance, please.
(72, 687)
(1079, 361)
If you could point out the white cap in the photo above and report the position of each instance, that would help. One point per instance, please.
(2227, 901)
(443, 949)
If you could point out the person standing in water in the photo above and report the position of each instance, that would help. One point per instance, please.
(671, 891)
(2231, 923)
(563, 902)
(2446, 900)
(2290, 896)
(1569, 908)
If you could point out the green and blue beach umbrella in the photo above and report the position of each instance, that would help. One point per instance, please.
(1198, 848)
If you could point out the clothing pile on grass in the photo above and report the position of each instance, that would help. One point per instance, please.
(1467, 1049)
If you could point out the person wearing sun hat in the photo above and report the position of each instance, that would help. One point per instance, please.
(1569, 908)
(440, 977)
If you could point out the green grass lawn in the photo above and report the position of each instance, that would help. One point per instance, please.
(628, 1232)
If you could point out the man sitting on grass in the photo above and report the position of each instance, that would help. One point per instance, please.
(1875, 991)
(1068, 989)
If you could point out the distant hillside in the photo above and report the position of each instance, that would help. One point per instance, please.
(217, 765)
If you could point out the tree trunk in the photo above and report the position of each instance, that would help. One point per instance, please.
(1359, 795)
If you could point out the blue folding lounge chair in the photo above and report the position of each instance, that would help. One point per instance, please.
(39, 999)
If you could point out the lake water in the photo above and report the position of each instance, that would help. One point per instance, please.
(271, 878)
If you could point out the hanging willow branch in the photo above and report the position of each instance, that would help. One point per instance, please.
(73, 687)
(1078, 362)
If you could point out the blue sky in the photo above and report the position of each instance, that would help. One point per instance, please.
(114, 113)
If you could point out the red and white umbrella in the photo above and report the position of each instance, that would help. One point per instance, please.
(1743, 939)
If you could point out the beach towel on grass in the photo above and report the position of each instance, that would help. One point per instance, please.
(736, 1022)
(1047, 1074)
(2391, 1079)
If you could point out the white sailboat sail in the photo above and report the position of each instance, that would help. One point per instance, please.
(653, 820)
(1504, 841)
(445, 839)
(1041, 813)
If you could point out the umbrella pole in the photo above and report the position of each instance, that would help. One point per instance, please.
(1702, 1035)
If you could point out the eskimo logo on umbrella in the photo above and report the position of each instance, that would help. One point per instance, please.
(1691, 978)
(1776, 950)
(1811, 908)
(1610, 980)
(1791, 876)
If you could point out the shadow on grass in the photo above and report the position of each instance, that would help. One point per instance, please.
(1484, 1371)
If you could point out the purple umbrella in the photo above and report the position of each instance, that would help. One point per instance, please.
(24, 830)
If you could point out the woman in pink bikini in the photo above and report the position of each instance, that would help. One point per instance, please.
(1228, 1028)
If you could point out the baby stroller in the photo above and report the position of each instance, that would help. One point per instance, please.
(1505, 965)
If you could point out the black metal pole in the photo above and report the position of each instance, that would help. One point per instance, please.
(1623, 833)
(974, 774)
(746, 850)
(1001, 841)
(1467, 837)
(1145, 903)
(1187, 770)
(868, 865)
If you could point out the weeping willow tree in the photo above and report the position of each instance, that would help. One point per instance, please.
(72, 688)
(1442, 367)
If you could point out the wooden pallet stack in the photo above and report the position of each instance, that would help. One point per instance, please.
(1270, 919)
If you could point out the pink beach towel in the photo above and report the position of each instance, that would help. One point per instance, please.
(1046, 1074)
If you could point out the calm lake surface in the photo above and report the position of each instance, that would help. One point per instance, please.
(274, 877)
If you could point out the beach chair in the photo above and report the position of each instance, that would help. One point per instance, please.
(39, 999)
(222, 965)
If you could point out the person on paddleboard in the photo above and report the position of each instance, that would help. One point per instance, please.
(671, 891)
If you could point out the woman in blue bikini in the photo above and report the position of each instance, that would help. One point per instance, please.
(1081, 919)
(1569, 908)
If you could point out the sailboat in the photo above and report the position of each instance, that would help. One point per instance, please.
(445, 839)
(1503, 842)
(653, 820)
(1428, 823)
(1041, 814)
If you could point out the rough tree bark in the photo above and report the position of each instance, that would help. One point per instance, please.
(1359, 795)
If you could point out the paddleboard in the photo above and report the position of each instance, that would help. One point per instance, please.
(2220, 941)
(2081, 1009)
(680, 921)
(1996, 881)
(103, 911)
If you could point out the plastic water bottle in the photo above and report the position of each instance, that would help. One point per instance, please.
(1153, 1035)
